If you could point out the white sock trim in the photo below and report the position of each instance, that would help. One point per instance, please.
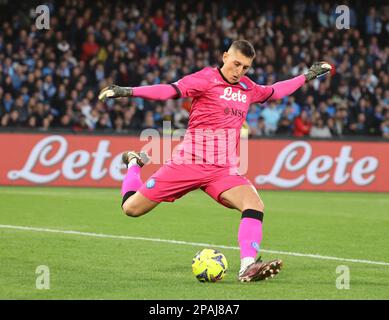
(245, 262)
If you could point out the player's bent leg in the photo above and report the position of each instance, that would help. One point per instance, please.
(242, 198)
(134, 204)
(137, 205)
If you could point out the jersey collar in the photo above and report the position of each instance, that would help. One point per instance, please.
(224, 78)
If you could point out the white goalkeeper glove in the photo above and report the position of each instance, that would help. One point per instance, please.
(318, 69)
(114, 91)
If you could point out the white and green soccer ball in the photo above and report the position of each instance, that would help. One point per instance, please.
(209, 265)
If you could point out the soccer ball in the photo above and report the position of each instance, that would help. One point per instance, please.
(209, 265)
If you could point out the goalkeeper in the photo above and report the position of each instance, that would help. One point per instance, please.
(221, 98)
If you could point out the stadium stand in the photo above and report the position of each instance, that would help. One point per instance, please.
(49, 79)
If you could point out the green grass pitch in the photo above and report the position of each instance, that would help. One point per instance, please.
(85, 266)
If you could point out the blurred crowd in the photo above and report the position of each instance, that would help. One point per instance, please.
(51, 78)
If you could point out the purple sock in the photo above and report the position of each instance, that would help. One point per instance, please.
(132, 180)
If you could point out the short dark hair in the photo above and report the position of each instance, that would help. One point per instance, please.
(245, 47)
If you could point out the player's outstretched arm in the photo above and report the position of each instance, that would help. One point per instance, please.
(154, 92)
(287, 87)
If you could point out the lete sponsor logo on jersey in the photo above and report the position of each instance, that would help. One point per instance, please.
(229, 95)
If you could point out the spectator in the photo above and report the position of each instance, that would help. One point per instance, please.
(284, 126)
(378, 118)
(259, 130)
(66, 122)
(385, 128)
(11, 120)
(104, 122)
(181, 117)
(149, 121)
(339, 124)
(360, 126)
(271, 116)
(373, 23)
(119, 125)
(157, 115)
(320, 130)
(81, 124)
(89, 48)
(294, 106)
(7, 102)
(253, 116)
(302, 125)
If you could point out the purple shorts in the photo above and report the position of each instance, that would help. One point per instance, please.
(172, 181)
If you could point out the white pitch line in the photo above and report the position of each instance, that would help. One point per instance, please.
(197, 244)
